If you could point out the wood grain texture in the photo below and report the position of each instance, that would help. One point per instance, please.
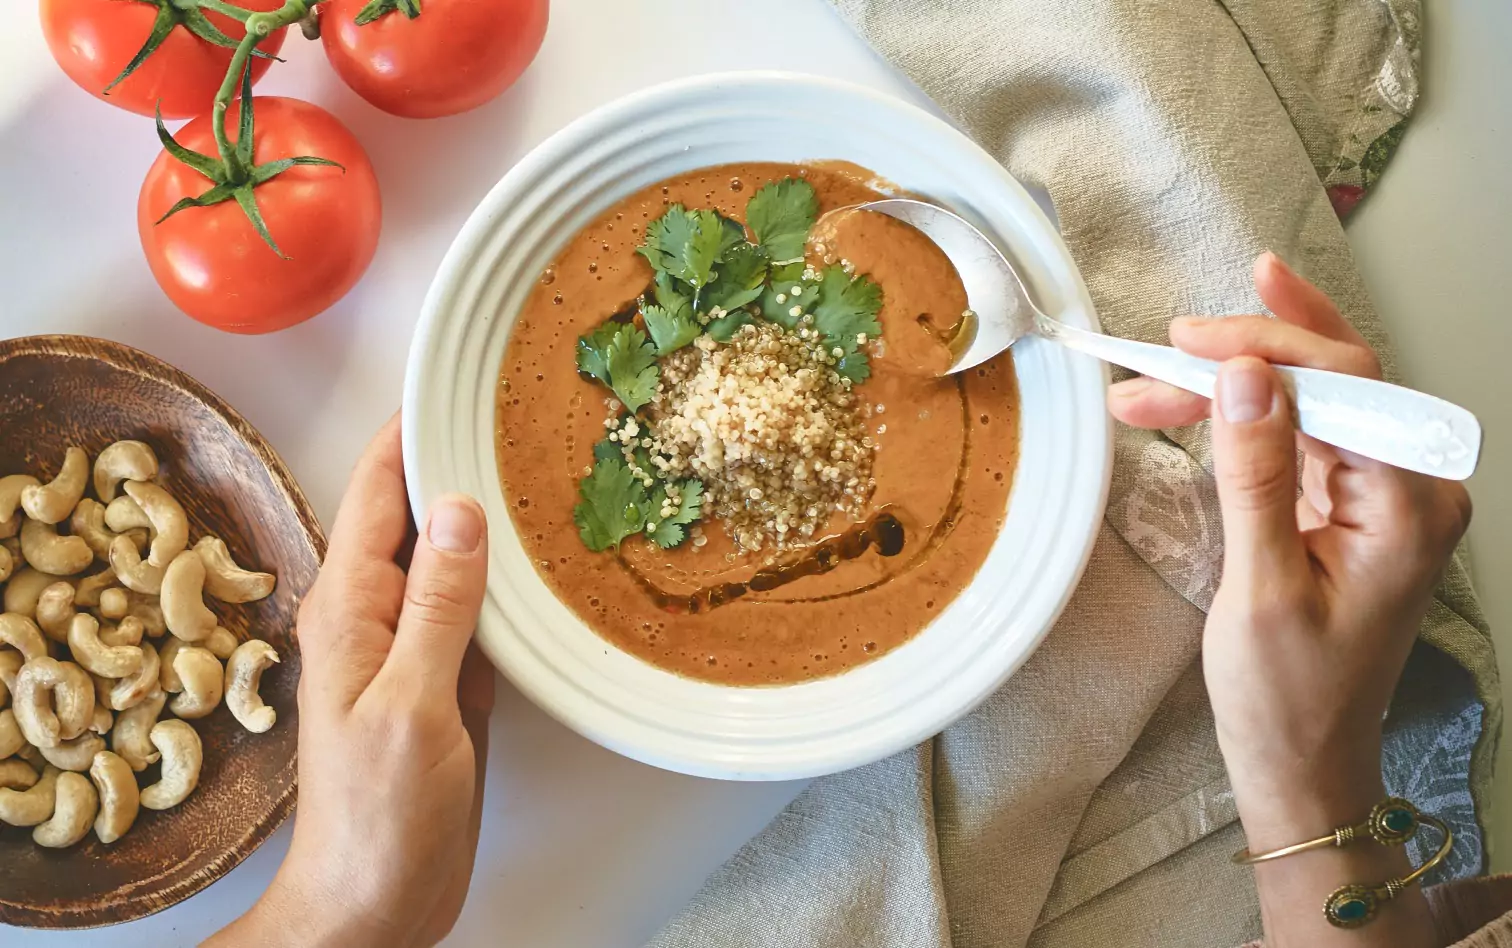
(57, 391)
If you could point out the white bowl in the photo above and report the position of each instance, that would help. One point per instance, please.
(779, 732)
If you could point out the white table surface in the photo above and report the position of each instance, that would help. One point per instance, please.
(580, 847)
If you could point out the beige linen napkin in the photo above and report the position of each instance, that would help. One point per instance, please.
(1085, 804)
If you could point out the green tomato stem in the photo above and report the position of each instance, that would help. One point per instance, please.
(219, 6)
(259, 27)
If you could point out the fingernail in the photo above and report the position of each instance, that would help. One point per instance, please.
(1129, 388)
(1276, 261)
(456, 525)
(1192, 321)
(1244, 391)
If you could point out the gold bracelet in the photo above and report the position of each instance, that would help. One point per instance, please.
(1351, 906)
(1392, 822)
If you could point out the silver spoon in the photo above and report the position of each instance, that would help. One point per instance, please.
(1387, 422)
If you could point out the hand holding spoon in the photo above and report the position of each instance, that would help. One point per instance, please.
(1389, 423)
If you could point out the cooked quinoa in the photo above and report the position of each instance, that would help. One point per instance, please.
(775, 434)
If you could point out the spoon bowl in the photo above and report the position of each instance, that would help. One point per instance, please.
(1390, 423)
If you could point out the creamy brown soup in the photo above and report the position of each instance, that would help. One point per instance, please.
(943, 467)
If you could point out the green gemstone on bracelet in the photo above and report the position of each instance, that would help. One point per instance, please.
(1393, 821)
(1350, 906)
(1351, 910)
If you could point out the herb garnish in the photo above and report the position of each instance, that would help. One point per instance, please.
(710, 279)
(614, 505)
(780, 216)
(620, 356)
(616, 502)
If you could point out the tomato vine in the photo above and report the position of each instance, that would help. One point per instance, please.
(234, 173)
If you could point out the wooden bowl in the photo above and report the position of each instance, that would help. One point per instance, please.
(57, 391)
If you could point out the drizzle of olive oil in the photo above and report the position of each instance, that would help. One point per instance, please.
(883, 529)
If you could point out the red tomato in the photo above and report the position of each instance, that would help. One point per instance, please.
(93, 40)
(456, 55)
(211, 261)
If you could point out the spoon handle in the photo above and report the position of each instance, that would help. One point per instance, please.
(1389, 423)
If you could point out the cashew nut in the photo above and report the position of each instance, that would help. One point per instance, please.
(170, 525)
(202, 679)
(119, 798)
(183, 598)
(221, 643)
(55, 610)
(150, 614)
(7, 563)
(102, 688)
(124, 515)
(75, 755)
(11, 488)
(46, 550)
(73, 813)
(10, 527)
(243, 677)
(33, 806)
(131, 737)
(182, 757)
(17, 774)
(147, 610)
(109, 661)
(168, 677)
(32, 756)
(114, 604)
(226, 581)
(129, 692)
(88, 523)
(75, 701)
(134, 572)
(92, 587)
(53, 502)
(22, 634)
(53, 701)
(124, 460)
(103, 720)
(128, 632)
(24, 589)
(10, 666)
(11, 740)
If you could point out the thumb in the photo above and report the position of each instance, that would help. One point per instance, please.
(442, 596)
(1255, 460)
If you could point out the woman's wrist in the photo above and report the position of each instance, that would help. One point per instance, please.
(1285, 802)
(1284, 805)
(294, 913)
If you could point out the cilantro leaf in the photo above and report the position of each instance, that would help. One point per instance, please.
(684, 243)
(633, 372)
(784, 278)
(854, 366)
(742, 270)
(607, 450)
(732, 233)
(620, 356)
(592, 352)
(671, 327)
(669, 532)
(725, 327)
(780, 215)
(613, 506)
(668, 294)
(847, 307)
